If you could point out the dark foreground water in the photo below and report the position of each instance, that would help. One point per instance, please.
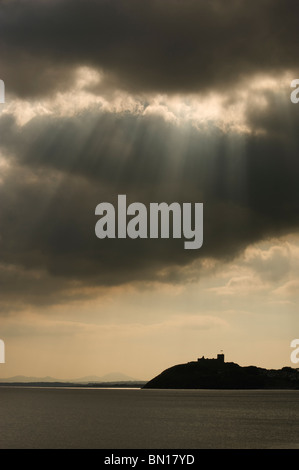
(147, 419)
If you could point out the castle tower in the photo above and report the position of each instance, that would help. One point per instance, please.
(220, 357)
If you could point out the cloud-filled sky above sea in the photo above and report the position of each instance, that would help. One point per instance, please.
(185, 101)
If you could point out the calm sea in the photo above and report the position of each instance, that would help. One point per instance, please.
(69, 418)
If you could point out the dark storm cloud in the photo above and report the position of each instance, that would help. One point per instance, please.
(166, 46)
(61, 168)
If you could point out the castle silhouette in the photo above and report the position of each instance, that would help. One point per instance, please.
(219, 359)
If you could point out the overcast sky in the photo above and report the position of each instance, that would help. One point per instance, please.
(185, 101)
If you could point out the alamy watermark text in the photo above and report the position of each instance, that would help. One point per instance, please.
(2, 92)
(2, 352)
(153, 224)
(295, 353)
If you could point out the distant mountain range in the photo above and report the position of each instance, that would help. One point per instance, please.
(109, 378)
